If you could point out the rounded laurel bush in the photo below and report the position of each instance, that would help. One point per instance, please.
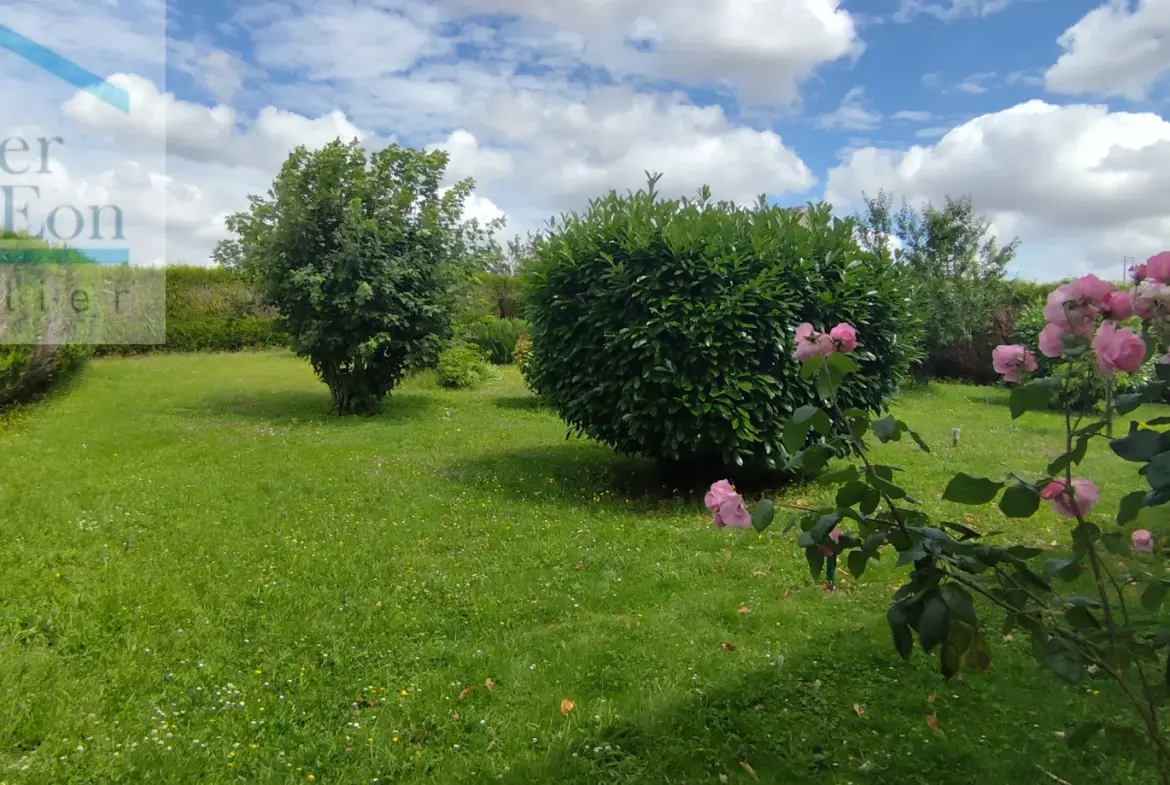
(667, 328)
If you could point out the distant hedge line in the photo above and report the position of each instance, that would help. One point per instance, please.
(211, 309)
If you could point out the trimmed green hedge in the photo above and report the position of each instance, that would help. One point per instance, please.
(212, 309)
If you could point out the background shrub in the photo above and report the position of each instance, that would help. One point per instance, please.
(522, 355)
(496, 337)
(462, 366)
(211, 309)
(665, 328)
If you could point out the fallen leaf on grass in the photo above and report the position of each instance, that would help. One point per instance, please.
(745, 609)
(858, 710)
(566, 707)
(933, 723)
(969, 518)
(788, 592)
(490, 684)
(466, 691)
(729, 646)
(747, 767)
(930, 698)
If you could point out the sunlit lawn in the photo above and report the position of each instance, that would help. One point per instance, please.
(207, 579)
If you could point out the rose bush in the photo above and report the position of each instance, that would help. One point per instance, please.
(1092, 624)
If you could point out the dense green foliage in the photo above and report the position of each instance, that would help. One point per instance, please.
(29, 370)
(496, 337)
(211, 309)
(958, 270)
(665, 328)
(363, 257)
(1082, 387)
(462, 366)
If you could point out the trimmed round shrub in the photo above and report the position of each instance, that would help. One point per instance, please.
(666, 328)
(463, 366)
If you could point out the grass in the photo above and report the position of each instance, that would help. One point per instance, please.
(206, 579)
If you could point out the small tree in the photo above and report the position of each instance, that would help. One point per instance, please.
(363, 257)
(958, 274)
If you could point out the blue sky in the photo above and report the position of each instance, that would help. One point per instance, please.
(1048, 112)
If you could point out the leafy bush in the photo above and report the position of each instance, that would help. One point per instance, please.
(211, 309)
(664, 328)
(29, 370)
(497, 337)
(362, 256)
(463, 366)
(1081, 387)
(523, 354)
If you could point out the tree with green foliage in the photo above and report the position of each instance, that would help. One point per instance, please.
(363, 256)
(958, 271)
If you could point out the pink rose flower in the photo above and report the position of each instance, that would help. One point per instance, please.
(1151, 299)
(1051, 341)
(1093, 290)
(1071, 310)
(727, 506)
(1011, 361)
(1143, 541)
(835, 536)
(1118, 349)
(810, 343)
(1081, 499)
(1140, 273)
(1118, 305)
(733, 513)
(845, 337)
(720, 492)
(1158, 267)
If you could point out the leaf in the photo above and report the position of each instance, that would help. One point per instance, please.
(1066, 569)
(751, 772)
(1139, 446)
(855, 491)
(932, 627)
(1065, 662)
(885, 486)
(763, 514)
(1033, 396)
(968, 489)
(1127, 403)
(959, 602)
(1082, 618)
(922, 445)
(1153, 595)
(1082, 735)
(744, 609)
(465, 692)
(566, 707)
(1116, 543)
(978, 656)
(959, 638)
(1158, 471)
(856, 561)
(886, 429)
(816, 560)
(1131, 504)
(858, 710)
(729, 646)
(1019, 501)
(490, 683)
(1071, 458)
(900, 627)
(933, 723)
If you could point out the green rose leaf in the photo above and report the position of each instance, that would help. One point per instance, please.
(1019, 501)
(968, 489)
(763, 515)
(1033, 396)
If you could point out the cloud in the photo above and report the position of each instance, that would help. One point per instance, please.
(912, 116)
(852, 114)
(1078, 175)
(1114, 50)
(949, 10)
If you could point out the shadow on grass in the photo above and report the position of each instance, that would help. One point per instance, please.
(991, 397)
(800, 724)
(291, 407)
(580, 472)
(521, 403)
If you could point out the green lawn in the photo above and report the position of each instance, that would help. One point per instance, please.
(206, 579)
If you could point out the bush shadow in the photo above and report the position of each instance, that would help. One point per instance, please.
(520, 403)
(580, 472)
(298, 406)
(865, 723)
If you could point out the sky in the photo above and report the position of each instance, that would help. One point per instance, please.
(1050, 114)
